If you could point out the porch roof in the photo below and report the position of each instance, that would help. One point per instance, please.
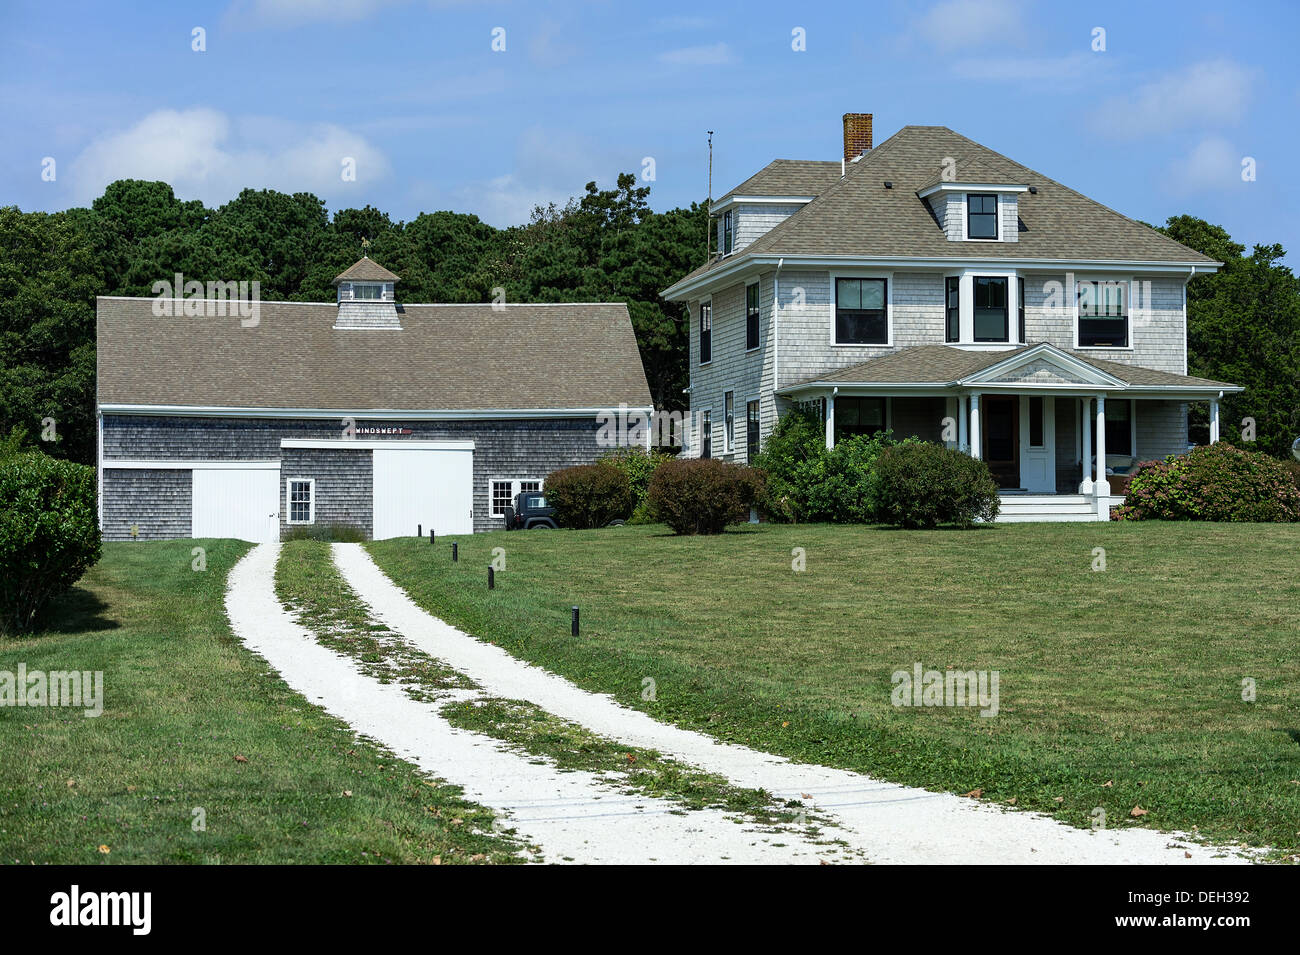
(948, 369)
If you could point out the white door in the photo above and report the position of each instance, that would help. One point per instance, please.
(424, 488)
(1038, 444)
(236, 502)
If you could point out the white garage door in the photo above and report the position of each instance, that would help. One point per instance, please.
(425, 487)
(237, 502)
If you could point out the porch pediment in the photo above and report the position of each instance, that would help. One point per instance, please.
(1043, 366)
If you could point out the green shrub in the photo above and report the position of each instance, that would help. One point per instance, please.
(704, 495)
(332, 533)
(590, 495)
(921, 484)
(1214, 482)
(808, 483)
(639, 466)
(49, 533)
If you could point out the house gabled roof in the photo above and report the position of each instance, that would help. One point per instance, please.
(857, 217)
(444, 357)
(365, 269)
(789, 177)
(1040, 364)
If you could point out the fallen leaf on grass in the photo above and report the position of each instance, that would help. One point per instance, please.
(1108, 784)
(347, 792)
(1059, 799)
(1137, 812)
(240, 759)
(105, 850)
(974, 793)
(630, 757)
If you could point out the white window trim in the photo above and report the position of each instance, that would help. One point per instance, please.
(515, 490)
(965, 215)
(749, 285)
(889, 305)
(1105, 349)
(966, 319)
(728, 439)
(311, 500)
(703, 304)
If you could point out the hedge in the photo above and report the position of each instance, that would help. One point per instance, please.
(703, 495)
(49, 533)
(1215, 482)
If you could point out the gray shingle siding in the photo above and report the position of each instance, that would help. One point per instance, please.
(514, 448)
(156, 501)
(344, 485)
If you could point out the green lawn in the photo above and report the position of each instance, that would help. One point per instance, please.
(1131, 676)
(183, 700)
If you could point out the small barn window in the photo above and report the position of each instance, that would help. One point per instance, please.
(302, 500)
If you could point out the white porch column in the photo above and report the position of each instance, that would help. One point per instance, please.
(963, 420)
(1101, 486)
(830, 419)
(1214, 420)
(976, 451)
(1086, 486)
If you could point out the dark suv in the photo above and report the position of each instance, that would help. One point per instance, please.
(530, 510)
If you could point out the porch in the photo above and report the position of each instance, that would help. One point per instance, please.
(1059, 434)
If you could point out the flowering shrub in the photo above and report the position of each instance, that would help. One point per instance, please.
(1215, 482)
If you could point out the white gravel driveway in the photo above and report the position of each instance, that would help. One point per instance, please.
(572, 815)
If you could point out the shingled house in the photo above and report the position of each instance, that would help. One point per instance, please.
(360, 412)
(933, 287)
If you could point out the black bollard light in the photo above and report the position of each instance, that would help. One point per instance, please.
(419, 530)
(430, 535)
(455, 551)
(492, 578)
(574, 628)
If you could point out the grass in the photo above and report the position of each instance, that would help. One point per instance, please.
(1119, 688)
(308, 583)
(194, 721)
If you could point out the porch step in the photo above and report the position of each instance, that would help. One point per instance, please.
(1046, 507)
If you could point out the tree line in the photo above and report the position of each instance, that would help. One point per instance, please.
(605, 245)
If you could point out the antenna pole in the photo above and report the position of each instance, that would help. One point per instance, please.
(708, 231)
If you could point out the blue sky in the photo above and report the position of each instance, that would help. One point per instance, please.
(1155, 125)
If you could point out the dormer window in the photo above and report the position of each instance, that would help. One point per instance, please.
(727, 235)
(981, 215)
(365, 291)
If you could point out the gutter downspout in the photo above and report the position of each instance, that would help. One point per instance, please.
(1190, 275)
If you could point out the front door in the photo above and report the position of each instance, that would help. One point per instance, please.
(1038, 443)
(1002, 438)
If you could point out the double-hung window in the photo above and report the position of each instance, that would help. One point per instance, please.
(301, 495)
(855, 416)
(1020, 287)
(990, 307)
(727, 233)
(706, 332)
(505, 491)
(1103, 314)
(729, 422)
(751, 317)
(981, 216)
(751, 430)
(952, 305)
(706, 434)
(1119, 427)
(861, 312)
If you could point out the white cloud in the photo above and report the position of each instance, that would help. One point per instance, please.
(960, 24)
(203, 154)
(1203, 94)
(1213, 164)
(549, 166)
(714, 54)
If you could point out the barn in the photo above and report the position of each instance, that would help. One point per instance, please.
(248, 420)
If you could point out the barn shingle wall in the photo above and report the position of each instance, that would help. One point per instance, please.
(503, 449)
(158, 502)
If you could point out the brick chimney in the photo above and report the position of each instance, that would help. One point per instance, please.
(857, 135)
